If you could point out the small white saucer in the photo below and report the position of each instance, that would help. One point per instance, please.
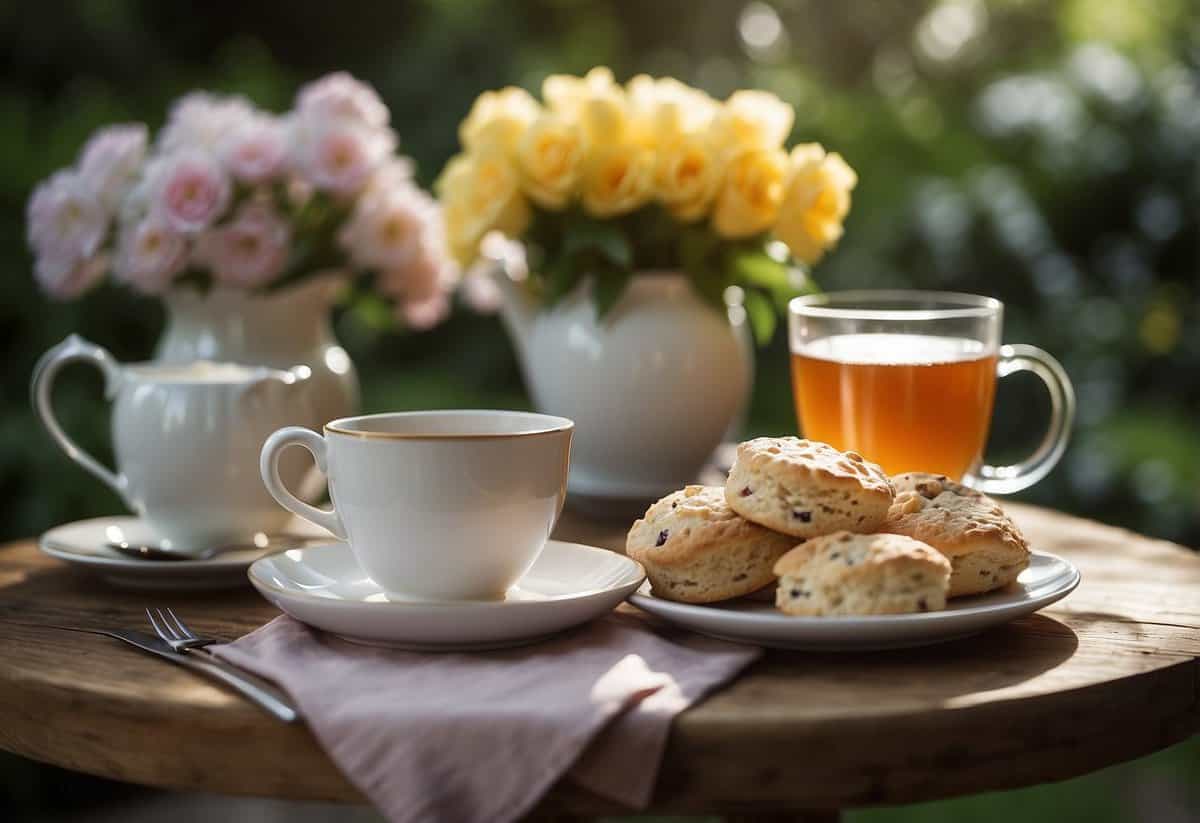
(1049, 578)
(84, 544)
(324, 587)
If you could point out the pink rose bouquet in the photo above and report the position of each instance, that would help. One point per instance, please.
(232, 195)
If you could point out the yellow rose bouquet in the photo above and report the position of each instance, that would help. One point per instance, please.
(599, 180)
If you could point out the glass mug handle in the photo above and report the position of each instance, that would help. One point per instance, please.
(1008, 479)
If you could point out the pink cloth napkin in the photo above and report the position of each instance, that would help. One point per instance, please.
(482, 736)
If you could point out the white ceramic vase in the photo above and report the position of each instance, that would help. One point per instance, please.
(282, 329)
(652, 388)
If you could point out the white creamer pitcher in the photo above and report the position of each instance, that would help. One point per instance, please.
(186, 439)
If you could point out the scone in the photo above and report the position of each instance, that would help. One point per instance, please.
(846, 574)
(697, 550)
(805, 488)
(985, 548)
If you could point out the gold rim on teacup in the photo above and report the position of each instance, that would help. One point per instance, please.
(555, 425)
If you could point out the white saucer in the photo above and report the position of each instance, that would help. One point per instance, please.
(1049, 578)
(84, 544)
(324, 587)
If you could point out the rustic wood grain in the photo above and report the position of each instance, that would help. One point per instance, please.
(1107, 675)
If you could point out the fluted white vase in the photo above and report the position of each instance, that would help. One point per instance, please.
(280, 329)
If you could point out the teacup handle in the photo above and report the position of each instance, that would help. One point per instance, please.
(76, 349)
(269, 466)
(1009, 479)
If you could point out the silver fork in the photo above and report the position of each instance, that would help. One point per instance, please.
(176, 634)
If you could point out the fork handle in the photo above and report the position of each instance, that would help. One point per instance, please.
(253, 688)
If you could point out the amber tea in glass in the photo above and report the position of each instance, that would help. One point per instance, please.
(908, 380)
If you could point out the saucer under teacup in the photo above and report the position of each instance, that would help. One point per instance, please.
(85, 545)
(323, 586)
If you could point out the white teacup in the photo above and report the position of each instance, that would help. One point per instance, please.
(438, 505)
(186, 439)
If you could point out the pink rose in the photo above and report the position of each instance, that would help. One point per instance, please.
(428, 275)
(199, 121)
(496, 249)
(150, 255)
(394, 173)
(340, 156)
(339, 96)
(498, 256)
(480, 292)
(298, 191)
(111, 160)
(65, 221)
(248, 252)
(256, 149)
(191, 191)
(424, 315)
(387, 229)
(64, 282)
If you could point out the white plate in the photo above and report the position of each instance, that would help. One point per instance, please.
(84, 544)
(1049, 578)
(324, 587)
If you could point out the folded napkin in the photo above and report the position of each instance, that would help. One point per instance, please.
(481, 736)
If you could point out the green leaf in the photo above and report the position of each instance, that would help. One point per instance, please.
(696, 246)
(710, 284)
(605, 239)
(607, 288)
(757, 268)
(562, 275)
(373, 312)
(761, 314)
(700, 258)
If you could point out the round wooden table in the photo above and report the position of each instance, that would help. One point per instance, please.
(1109, 674)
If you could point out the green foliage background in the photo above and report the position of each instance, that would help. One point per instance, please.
(1041, 151)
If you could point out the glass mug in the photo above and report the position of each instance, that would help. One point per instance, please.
(907, 379)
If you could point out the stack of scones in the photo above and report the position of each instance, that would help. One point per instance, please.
(830, 531)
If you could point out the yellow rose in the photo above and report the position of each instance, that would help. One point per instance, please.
(498, 119)
(751, 192)
(618, 177)
(662, 109)
(754, 119)
(815, 203)
(480, 193)
(550, 156)
(687, 175)
(564, 92)
(595, 101)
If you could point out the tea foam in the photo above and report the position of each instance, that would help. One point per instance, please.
(893, 349)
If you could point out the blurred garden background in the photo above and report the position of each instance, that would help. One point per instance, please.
(1044, 152)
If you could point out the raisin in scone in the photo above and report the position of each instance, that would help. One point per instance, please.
(985, 548)
(849, 574)
(806, 488)
(697, 550)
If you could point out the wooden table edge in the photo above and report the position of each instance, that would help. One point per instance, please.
(314, 777)
(698, 748)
